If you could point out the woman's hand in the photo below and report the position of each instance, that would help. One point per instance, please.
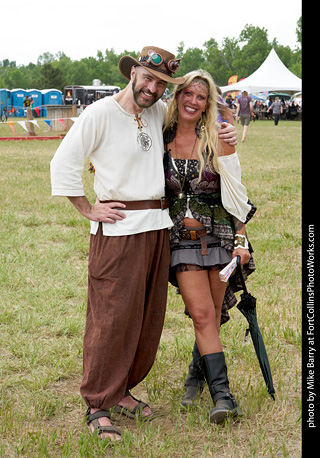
(243, 253)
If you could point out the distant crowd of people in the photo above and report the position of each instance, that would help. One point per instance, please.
(261, 109)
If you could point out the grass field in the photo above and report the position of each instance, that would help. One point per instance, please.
(43, 274)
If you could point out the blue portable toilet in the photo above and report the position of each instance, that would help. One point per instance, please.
(17, 99)
(5, 100)
(36, 95)
(50, 97)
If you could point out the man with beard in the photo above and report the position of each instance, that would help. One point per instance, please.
(129, 243)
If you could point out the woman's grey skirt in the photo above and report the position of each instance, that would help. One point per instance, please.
(189, 252)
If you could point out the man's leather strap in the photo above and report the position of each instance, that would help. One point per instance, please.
(141, 204)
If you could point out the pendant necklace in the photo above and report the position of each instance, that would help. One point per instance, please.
(143, 138)
(182, 194)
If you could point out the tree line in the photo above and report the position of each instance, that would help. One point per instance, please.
(235, 56)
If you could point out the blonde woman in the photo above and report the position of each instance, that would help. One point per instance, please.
(209, 208)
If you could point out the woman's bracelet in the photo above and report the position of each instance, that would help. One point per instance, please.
(240, 241)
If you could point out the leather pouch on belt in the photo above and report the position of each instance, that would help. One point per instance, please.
(204, 247)
(194, 235)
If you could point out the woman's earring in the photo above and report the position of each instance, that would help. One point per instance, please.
(202, 127)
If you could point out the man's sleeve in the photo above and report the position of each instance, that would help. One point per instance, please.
(67, 165)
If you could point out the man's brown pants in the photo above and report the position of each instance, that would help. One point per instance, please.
(127, 294)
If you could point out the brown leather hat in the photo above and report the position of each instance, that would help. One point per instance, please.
(159, 62)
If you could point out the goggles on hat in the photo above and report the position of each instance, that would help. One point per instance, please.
(156, 59)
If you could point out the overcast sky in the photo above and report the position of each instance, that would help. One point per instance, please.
(80, 28)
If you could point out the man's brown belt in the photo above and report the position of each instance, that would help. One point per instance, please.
(141, 204)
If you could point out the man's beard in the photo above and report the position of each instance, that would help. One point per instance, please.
(143, 103)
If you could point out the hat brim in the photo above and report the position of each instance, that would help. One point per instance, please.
(126, 63)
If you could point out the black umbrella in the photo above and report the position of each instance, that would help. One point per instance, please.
(247, 307)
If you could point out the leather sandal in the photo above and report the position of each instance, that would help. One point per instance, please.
(137, 411)
(93, 419)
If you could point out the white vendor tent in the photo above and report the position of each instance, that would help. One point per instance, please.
(271, 76)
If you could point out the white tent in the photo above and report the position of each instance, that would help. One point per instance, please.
(271, 76)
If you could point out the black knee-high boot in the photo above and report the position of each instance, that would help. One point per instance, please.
(195, 379)
(215, 371)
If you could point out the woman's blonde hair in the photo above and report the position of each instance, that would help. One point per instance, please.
(209, 146)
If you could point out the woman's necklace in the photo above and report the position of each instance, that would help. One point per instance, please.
(182, 194)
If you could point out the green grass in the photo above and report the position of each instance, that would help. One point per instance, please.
(43, 277)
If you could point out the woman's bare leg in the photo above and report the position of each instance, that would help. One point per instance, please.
(203, 293)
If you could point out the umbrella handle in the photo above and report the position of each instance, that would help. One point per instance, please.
(239, 268)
